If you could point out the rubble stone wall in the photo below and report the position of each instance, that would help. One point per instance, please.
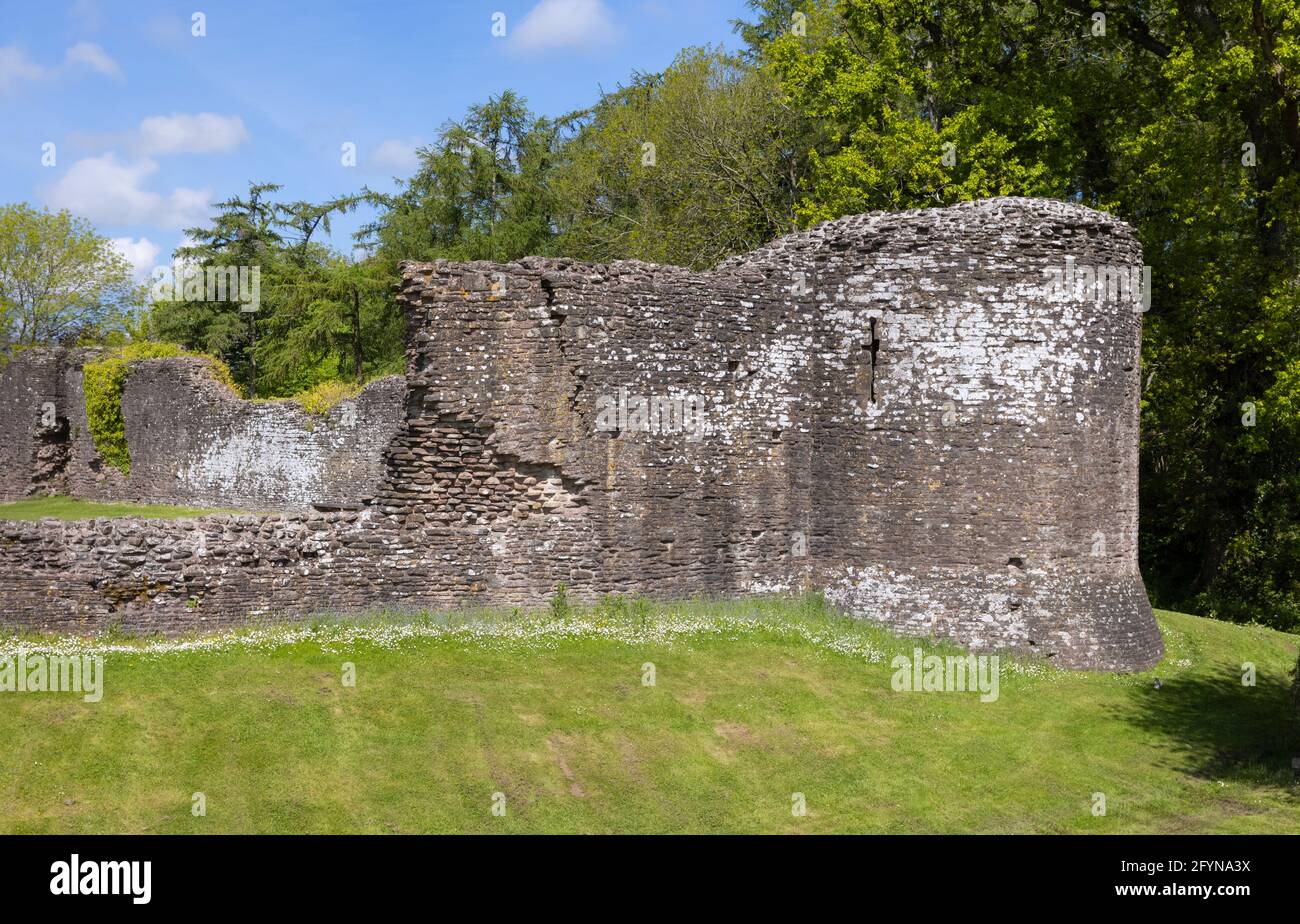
(191, 440)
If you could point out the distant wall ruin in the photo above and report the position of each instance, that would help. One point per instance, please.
(897, 409)
(192, 441)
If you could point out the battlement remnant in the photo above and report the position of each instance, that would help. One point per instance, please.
(931, 416)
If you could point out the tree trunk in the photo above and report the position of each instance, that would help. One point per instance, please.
(252, 359)
(357, 358)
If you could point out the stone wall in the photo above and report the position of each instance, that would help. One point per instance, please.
(893, 408)
(33, 434)
(191, 440)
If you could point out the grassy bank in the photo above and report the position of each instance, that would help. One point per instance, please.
(71, 508)
(752, 703)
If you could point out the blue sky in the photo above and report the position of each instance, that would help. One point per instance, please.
(151, 123)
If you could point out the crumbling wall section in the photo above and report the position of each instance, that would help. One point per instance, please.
(33, 435)
(191, 440)
(511, 369)
(194, 441)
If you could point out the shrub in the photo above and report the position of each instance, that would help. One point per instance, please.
(320, 399)
(103, 381)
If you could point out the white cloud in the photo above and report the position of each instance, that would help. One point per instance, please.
(140, 254)
(109, 192)
(88, 54)
(395, 154)
(181, 133)
(178, 133)
(565, 24)
(16, 67)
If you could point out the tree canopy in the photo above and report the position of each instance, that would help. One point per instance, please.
(60, 281)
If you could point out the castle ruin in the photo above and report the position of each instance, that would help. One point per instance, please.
(930, 416)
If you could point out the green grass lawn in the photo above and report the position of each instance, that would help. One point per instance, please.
(752, 702)
(71, 508)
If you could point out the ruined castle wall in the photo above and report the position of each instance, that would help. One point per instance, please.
(191, 440)
(86, 474)
(509, 369)
(892, 408)
(32, 436)
(182, 575)
(987, 490)
(500, 484)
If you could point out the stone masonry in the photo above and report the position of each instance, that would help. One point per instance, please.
(191, 440)
(897, 409)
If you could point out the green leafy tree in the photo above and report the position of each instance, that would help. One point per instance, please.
(243, 233)
(480, 192)
(334, 319)
(688, 167)
(59, 280)
(321, 317)
(929, 104)
(1210, 179)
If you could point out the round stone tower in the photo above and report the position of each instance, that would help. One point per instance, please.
(974, 411)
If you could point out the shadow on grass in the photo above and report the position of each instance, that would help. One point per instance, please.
(1218, 729)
